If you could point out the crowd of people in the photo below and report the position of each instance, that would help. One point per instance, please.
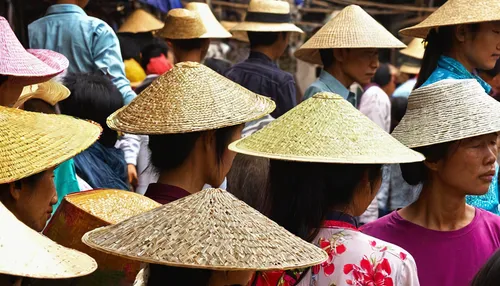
(375, 175)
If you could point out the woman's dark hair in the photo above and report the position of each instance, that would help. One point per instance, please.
(39, 105)
(327, 57)
(398, 110)
(489, 274)
(3, 78)
(176, 276)
(93, 97)
(264, 38)
(153, 50)
(301, 194)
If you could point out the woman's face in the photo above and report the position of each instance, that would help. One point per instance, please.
(227, 160)
(482, 48)
(470, 166)
(230, 278)
(10, 90)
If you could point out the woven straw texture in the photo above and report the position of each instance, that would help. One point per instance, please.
(190, 97)
(415, 49)
(16, 61)
(33, 142)
(49, 91)
(455, 12)
(446, 111)
(26, 253)
(182, 24)
(410, 68)
(140, 21)
(210, 229)
(351, 28)
(325, 129)
(214, 29)
(241, 36)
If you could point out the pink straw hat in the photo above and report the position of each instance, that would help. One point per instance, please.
(16, 61)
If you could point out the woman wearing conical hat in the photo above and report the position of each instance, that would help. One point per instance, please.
(325, 169)
(210, 238)
(191, 114)
(449, 239)
(456, 47)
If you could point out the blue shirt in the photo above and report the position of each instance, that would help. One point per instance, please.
(89, 43)
(261, 75)
(327, 82)
(405, 89)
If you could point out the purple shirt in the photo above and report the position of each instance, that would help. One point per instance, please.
(444, 258)
(164, 194)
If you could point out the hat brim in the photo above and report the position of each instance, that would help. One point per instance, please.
(409, 69)
(43, 65)
(52, 94)
(266, 27)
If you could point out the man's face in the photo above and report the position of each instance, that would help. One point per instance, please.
(360, 64)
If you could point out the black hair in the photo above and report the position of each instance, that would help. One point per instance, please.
(189, 44)
(398, 110)
(327, 57)
(264, 38)
(39, 105)
(176, 276)
(489, 274)
(301, 193)
(383, 75)
(3, 78)
(93, 97)
(153, 50)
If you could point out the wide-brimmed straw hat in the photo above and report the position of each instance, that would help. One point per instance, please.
(50, 91)
(456, 12)
(410, 68)
(415, 49)
(211, 229)
(214, 29)
(446, 111)
(37, 65)
(190, 97)
(182, 24)
(241, 36)
(26, 253)
(325, 129)
(140, 21)
(267, 16)
(34, 142)
(351, 28)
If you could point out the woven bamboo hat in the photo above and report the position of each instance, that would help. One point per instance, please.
(182, 24)
(325, 129)
(351, 28)
(140, 21)
(241, 36)
(190, 97)
(267, 16)
(446, 111)
(410, 68)
(26, 253)
(50, 91)
(415, 49)
(211, 230)
(456, 12)
(214, 29)
(33, 142)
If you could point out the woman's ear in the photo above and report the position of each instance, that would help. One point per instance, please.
(460, 33)
(433, 166)
(15, 191)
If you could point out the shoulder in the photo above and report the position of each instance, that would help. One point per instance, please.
(488, 218)
(315, 87)
(379, 224)
(100, 27)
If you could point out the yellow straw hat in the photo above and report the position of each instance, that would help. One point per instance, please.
(209, 230)
(50, 91)
(446, 111)
(190, 97)
(26, 253)
(140, 21)
(415, 49)
(240, 36)
(214, 29)
(33, 142)
(325, 129)
(456, 12)
(182, 24)
(410, 68)
(267, 16)
(351, 28)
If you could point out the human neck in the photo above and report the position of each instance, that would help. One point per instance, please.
(188, 56)
(269, 51)
(461, 58)
(186, 177)
(336, 71)
(66, 2)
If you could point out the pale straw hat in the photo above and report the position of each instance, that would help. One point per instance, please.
(34, 142)
(446, 111)
(351, 28)
(410, 68)
(26, 253)
(182, 24)
(50, 91)
(415, 49)
(267, 16)
(456, 12)
(325, 129)
(211, 229)
(214, 29)
(241, 36)
(190, 97)
(140, 21)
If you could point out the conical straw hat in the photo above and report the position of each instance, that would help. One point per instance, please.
(33, 142)
(455, 12)
(351, 28)
(50, 91)
(267, 16)
(410, 68)
(241, 36)
(210, 230)
(415, 49)
(182, 24)
(26, 253)
(446, 111)
(214, 29)
(190, 97)
(325, 129)
(140, 21)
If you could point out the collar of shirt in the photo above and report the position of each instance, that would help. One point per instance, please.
(65, 8)
(454, 67)
(333, 84)
(164, 194)
(260, 57)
